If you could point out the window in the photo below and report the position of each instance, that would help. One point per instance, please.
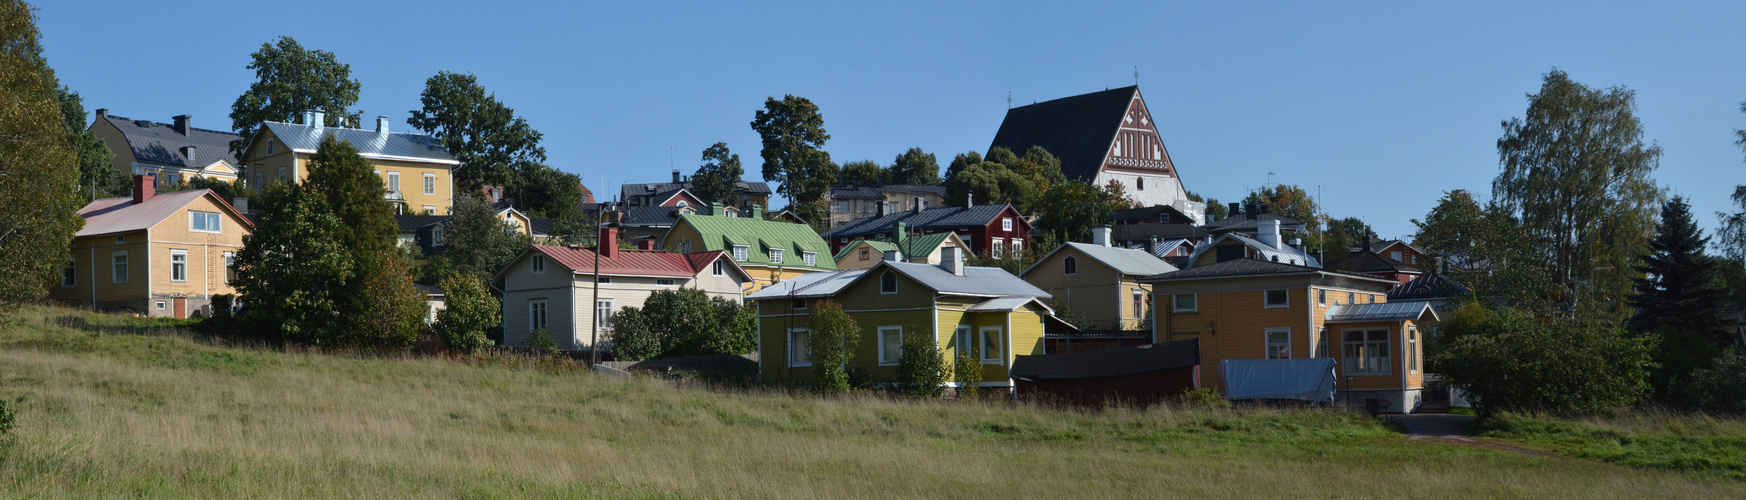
(890, 345)
(1277, 298)
(68, 275)
(991, 345)
(1278, 343)
(997, 248)
(118, 267)
(1006, 224)
(797, 348)
(720, 268)
(1351, 298)
(603, 314)
(178, 265)
(436, 236)
(539, 264)
(888, 283)
(966, 345)
(1395, 255)
(664, 282)
(205, 222)
(160, 305)
(810, 258)
(230, 267)
(1140, 183)
(864, 253)
(1321, 297)
(120, 239)
(1070, 265)
(603, 279)
(429, 183)
(682, 203)
(685, 246)
(1413, 349)
(393, 181)
(281, 173)
(430, 210)
(1018, 247)
(1366, 351)
(269, 146)
(798, 305)
(536, 315)
(775, 256)
(1185, 302)
(1322, 343)
(1139, 303)
(740, 253)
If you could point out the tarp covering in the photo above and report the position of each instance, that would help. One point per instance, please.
(1301, 379)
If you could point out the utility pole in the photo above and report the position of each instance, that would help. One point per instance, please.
(594, 335)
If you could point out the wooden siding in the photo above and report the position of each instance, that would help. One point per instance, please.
(1096, 292)
(570, 298)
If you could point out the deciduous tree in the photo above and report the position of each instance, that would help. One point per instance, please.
(490, 141)
(832, 340)
(97, 175)
(38, 171)
(386, 312)
(1291, 202)
(468, 313)
(1486, 250)
(913, 167)
(289, 80)
(1072, 208)
(860, 173)
(717, 177)
(476, 242)
(793, 132)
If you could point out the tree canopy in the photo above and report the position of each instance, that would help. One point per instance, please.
(1291, 202)
(861, 173)
(289, 80)
(293, 269)
(1485, 249)
(913, 167)
(38, 169)
(97, 175)
(1004, 177)
(793, 132)
(486, 136)
(717, 177)
(477, 243)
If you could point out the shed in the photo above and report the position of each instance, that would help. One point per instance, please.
(1128, 375)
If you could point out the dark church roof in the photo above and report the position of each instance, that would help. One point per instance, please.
(1077, 129)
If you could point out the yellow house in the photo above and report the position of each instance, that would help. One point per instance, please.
(918, 248)
(982, 312)
(1249, 309)
(770, 251)
(155, 254)
(418, 174)
(1099, 283)
(172, 152)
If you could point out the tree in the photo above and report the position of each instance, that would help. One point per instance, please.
(683, 322)
(861, 173)
(1511, 361)
(38, 171)
(718, 176)
(546, 192)
(1486, 250)
(1342, 234)
(289, 80)
(831, 344)
(293, 269)
(1576, 173)
(1118, 198)
(386, 312)
(352, 192)
(967, 372)
(468, 313)
(476, 242)
(913, 167)
(989, 183)
(921, 372)
(480, 131)
(1678, 299)
(792, 131)
(962, 161)
(1291, 202)
(1071, 209)
(1731, 236)
(1215, 211)
(97, 175)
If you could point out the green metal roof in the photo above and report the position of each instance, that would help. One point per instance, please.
(923, 244)
(793, 238)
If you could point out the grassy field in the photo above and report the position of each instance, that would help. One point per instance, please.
(1699, 444)
(113, 408)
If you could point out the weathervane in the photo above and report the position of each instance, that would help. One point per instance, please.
(1009, 99)
(1136, 76)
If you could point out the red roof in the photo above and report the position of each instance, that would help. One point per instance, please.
(120, 215)
(631, 262)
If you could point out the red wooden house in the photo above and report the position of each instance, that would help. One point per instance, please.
(990, 230)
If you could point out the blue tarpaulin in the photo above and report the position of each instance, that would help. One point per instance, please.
(1301, 379)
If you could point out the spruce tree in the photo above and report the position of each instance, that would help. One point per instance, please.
(1678, 290)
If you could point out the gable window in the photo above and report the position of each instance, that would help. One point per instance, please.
(393, 181)
(536, 315)
(539, 264)
(69, 275)
(1070, 265)
(740, 253)
(966, 345)
(205, 222)
(775, 256)
(718, 269)
(888, 283)
(797, 347)
(1278, 343)
(1413, 349)
(1184, 302)
(685, 246)
(429, 183)
(178, 265)
(864, 254)
(269, 146)
(1277, 298)
(1321, 297)
(890, 345)
(991, 345)
(118, 267)
(1366, 351)
(1395, 255)
(1006, 224)
(1139, 303)
(603, 314)
(997, 248)
(230, 267)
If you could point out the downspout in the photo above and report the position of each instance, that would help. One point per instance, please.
(93, 274)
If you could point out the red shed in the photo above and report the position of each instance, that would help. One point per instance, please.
(1128, 375)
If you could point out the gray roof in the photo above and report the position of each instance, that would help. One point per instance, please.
(1123, 260)
(1428, 287)
(410, 223)
(1077, 129)
(1002, 304)
(948, 217)
(628, 191)
(1241, 222)
(976, 282)
(1146, 231)
(161, 144)
(878, 192)
(392, 145)
(1391, 311)
(1285, 254)
(1250, 267)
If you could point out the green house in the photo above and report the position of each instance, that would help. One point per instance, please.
(771, 251)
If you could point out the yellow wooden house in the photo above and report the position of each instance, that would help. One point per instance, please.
(417, 173)
(172, 152)
(770, 251)
(154, 254)
(1099, 283)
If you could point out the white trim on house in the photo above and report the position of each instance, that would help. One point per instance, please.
(792, 363)
(879, 337)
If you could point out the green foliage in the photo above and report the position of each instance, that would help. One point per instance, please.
(1342, 234)
(1004, 177)
(633, 337)
(38, 171)
(385, 312)
(469, 311)
(477, 243)
(1510, 361)
(289, 80)
(716, 178)
(1291, 202)
(1720, 388)
(967, 372)
(1071, 209)
(1731, 232)
(546, 192)
(682, 322)
(97, 175)
(9, 418)
(1486, 250)
(913, 167)
(352, 192)
(1116, 196)
(222, 303)
(1215, 211)
(860, 173)
(921, 371)
(1576, 173)
(541, 342)
(833, 339)
(792, 131)
(1679, 297)
(1205, 397)
(293, 270)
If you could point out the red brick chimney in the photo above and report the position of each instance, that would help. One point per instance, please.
(144, 187)
(608, 245)
(646, 245)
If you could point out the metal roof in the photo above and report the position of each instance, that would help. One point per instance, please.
(634, 190)
(1285, 254)
(1126, 261)
(849, 192)
(718, 231)
(630, 262)
(1431, 286)
(120, 215)
(1251, 267)
(1002, 304)
(370, 144)
(936, 218)
(1077, 129)
(976, 282)
(1242, 222)
(1391, 311)
(810, 285)
(161, 144)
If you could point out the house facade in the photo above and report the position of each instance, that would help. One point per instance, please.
(154, 254)
(770, 251)
(848, 203)
(654, 194)
(416, 172)
(981, 312)
(1268, 245)
(1098, 283)
(923, 249)
(1257, 310)
(990, 230)
(553, 287)
(172, 152)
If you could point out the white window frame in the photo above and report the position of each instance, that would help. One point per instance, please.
(983, 335)
(429, 183)
(666, 282)
(1359, 366)
(436, 236)
(996, 248)
(205, 219)
(810, 258)
(1070, 265)
(281, 173)
(605, 280)
(1176, 302)
(775, 256)
(1395, 256)
(537, 314)
(894, 287)
(394, 181)
(1322, 298)
(1267, 299)
(965, 342)
(718, 269)
(603, 321)
(1016, 246)
(179, 266)
(1268, 351)
(1006, 223)
(1139, 303)
(798, 358)
(797, 305)
(118, 267)
(865, 252)
(884, 349)
(538, 264)
(741, 253)
(430, 209)
(1413, 349)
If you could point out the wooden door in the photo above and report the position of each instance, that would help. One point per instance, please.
(179, 307)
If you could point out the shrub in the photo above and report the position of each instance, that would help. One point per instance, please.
(222, 304)
(920, 372)
(834, 336)
(541, 342)
(966, 371)
(386, 314)
(631, 337)
(9, 415)
(469, 313)
(1205, 397)
(684, 322)
(1509, 361)
(1721, 388)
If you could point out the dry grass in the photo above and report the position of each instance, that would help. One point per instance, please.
(109, 412)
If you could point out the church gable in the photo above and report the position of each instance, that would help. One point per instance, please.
(1137, 146)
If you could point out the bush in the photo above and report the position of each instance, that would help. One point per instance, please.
(469, 313)
(966, 371)
(632, 338)
(9, 415)
(1721, 388)
(222, 304)
(833, 338)
(1205, 397)
(1509, 361)
(684, 322)
(541, 342)
(387, 312)
(920, 372)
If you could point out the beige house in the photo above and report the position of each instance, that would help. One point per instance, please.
(1099, 283)
(154, 254)
(172, 152)
(416, 172)
(553, 287)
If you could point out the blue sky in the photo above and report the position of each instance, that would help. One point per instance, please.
(1383, 106)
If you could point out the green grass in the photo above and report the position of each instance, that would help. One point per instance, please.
(121, 407)
(1697, 444)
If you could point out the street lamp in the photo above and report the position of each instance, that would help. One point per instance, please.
(601, 220)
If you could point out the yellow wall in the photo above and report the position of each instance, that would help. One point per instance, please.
(1096, 292)
(149, 262)
(296, 167)
(100, 248)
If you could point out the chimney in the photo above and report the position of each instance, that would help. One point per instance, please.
(900, 233)
(879, 208)
(181, 124)
(1366, 247)
(318, 118)
(608, 244)
(891, 256)
(717, 209)
(916, 208)
(102, 113)
(1236, 209)
(646, 245)
(1267, 232)
(144, 187)
(1249, 211)
(676, 178)
(969, 200)
(1154, 246)
(757, 211)
(1100, 236)
(381, 124)
(952, 260)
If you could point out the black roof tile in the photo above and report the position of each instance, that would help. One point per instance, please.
(1076, 129)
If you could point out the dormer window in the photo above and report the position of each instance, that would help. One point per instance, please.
(811, 258)
(740, 253)
(1070, 265)
(775, 256)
